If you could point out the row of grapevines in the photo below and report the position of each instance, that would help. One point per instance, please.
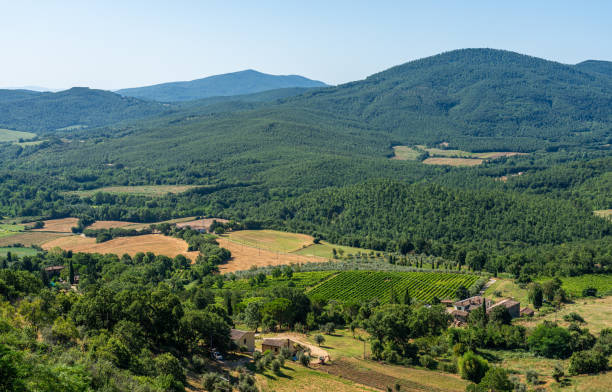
(367, 285)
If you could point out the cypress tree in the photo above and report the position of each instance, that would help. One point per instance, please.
(71, 273)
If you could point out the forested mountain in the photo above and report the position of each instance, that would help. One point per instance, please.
(236, 83)
(78, 107)
(478, 99)
(602, 67)
(16, 95)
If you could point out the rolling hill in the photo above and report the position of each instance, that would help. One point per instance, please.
(602, 67)
(236, 83)
(77, 107)
(477, 99)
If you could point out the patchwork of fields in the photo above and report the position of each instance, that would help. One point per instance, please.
(438, 156)
(156, 243)
(366, 285)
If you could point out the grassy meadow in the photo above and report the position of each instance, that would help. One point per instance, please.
(8, 136)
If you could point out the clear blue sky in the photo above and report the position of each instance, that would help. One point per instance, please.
(115, 44)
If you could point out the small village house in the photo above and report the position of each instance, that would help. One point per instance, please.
(243, 339)
(275, 345)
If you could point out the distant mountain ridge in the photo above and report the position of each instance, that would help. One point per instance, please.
(235, 83)
(599, 66)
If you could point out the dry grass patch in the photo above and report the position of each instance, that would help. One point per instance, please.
(244, 257)
(454, 161)
(272, 240)
(597, 312)
(604, 214)
(139, 190)
(63, 225)
(97, 225)
(156, 243)
(295, 377)
(200, 224)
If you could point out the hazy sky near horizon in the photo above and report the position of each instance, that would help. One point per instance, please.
(118, 44)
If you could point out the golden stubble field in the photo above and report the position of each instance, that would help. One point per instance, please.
(156, 243)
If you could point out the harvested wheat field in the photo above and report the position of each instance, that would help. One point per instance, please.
(453, 161)
(97, 225)
(272, 240)
(63, 225)
(244, 257)
(30, 238)
(156, 243)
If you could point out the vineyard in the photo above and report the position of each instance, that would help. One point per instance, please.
(366, 285)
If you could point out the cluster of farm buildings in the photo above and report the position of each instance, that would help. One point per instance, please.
(461, 309)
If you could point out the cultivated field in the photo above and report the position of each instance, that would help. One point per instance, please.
(6, 135)
(453, 161)
(244, 257)
(109, 224)
(295, 377)
(30, 238)
(63, 225)
(405, 153)
(139, 190)
(301, 280)
(272, 240)
(7, 230)
(325, 249)
(200, 224)
(438, 156)
(18, 251)
(604, 213)
(575, 284)
(365, 285)
(156, 243)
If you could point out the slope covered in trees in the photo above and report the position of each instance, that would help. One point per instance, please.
(236, 83)
(77, 107)
(478, 99)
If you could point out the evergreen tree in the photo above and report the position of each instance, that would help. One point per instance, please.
(71, 273)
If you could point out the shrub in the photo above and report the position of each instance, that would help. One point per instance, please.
(257, 355)
(285, 352)
(281, 359)
(558, 372)
(276, 365)
(168, 364)
(473, 367)
(573, 317)
(304, 359)
(496, 379)
(532, 377)
(428, 361)
(549, 340)
(589, 292)
(449, 367)
(587, 362)
(319, 339)
(328, 328)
